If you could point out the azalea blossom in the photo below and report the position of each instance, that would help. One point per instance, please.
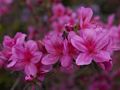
(8, 44)
(58, 49)
(25, 57)
(58, 10)
(92, 46)
(85, 16)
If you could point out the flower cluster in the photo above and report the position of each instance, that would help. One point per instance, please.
(21, 55)
(77, 38)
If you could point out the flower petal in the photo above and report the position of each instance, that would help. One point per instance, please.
(30, 69)
(102, 41)
(107, 66)
(18, 51)
(20, 38)
(31, 45)
(36, 58)
(66, 61)
(12, 63)
(89, 14)
(77, 42)
(49, 59)
(49, 46)
(102, 56)
(7, 42)
(83, 59)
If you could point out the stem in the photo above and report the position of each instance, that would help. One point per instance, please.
(16, 83)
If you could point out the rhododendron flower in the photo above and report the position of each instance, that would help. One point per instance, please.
(62, 21)
(58, 49)
(58, 10)
(92, 46)
(26, 57)
(85, 16)
(54, 47)
(9, 43)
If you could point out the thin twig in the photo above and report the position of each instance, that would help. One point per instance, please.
(16, 83)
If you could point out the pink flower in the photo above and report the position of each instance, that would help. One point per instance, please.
(54, 46)
(59, 24)
(92, 45)
(110, 20)
(85, 16)
(58, 10)
(8, 44)
(69, 53)
(58, 49)
(26, 57)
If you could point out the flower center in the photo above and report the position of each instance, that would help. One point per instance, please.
(27, 56)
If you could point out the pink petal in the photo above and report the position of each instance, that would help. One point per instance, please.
(20, 38)
(18, 51)
(66, 61)
(31, 45)
(111, 20)
(49, 59)
(7, 42)
(89, 14)
(12, 63)
(29, 78)
(36, 58)
(107, 66)
(71, 35)
(30, 69)
(46, 68)
(83, 59)
(20, 35)
(53, 43)
(89, 35)
(81, 23)
(102, 41)
(102, 56)
(49, 46)
(77, 42)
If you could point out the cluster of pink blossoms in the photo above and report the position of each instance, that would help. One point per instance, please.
(21, 55)
(77, 38)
